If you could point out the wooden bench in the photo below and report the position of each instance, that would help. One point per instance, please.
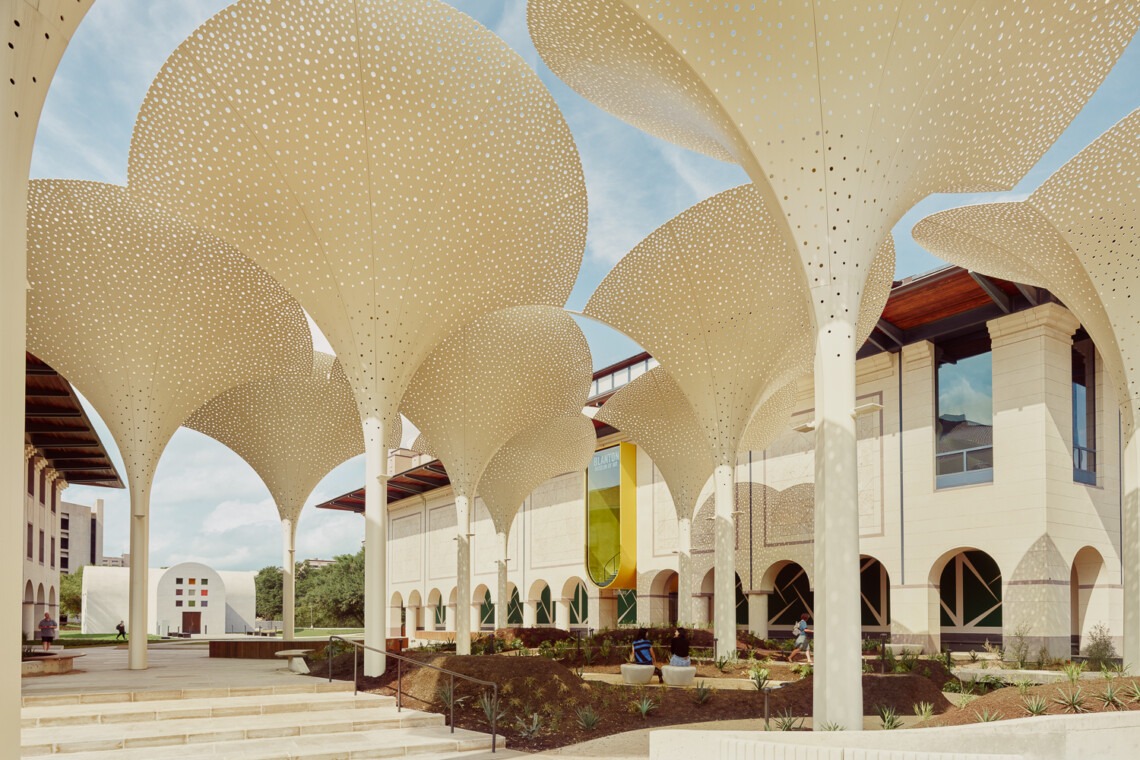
(296, 659)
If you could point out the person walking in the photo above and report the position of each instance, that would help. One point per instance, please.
(801, 632)
(47, 631)
(122, 631)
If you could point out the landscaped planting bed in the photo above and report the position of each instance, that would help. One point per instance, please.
(571, 710)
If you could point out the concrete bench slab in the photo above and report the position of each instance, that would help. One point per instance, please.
(50, 664)
(636, 674)
(296, 659)
(678, 675)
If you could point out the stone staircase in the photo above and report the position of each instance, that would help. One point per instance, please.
(316, 721)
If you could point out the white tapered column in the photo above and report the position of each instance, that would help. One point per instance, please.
(1130, 549)
(724, 563)
(838, 690)
(375, 547)
(288, 579)
(463, 575)
(502, 598)
(685, 571)
(138, 626)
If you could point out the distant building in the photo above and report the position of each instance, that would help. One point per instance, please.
(80, 536)
(123, 560)
(61, 448)
(188, 598)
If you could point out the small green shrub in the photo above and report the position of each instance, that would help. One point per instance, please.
(1035, 705)
(953, 686)
(722, 663)
(759, 677)
(1018, 649)
(1100, 651)
(1023, 685)
(1072, 671)
(804, 670)
(985, 716)
(702, 693)
(832, 725)
(924, 710)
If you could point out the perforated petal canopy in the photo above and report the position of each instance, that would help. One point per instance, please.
(147, 316)
(529, 459)
(1077, 236)
(844, 113)
(394, 164)
(505, 372)
(653, 411)
(717, 296)
(291, 429)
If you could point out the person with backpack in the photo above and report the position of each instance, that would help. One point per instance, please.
(801, 631)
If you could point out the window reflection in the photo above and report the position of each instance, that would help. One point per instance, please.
(965, 414)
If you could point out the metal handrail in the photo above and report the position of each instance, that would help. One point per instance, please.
(402, 658)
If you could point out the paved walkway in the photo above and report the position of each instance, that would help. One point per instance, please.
(172, 666)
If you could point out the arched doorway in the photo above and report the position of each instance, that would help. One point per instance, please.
(514, 607)
(874, 596)
(575, 591)
(436, 610)
(397, 623)
(414, 616)
(485, 607)
(29, 621)
(791, 596)
(539, 598)
(969, 599)
(663, 598)
(1090, 602)
(708, 586)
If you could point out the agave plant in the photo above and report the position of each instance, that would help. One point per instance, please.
(1073, 701)
(701, 693)
(1072, 671)
(1035, 705)
(587, 718)
(529, 729)
(759, 677)
(1110, 697)
(785, 721)
(889, 719)
(924, 710)
(645, 705)
(985, 716)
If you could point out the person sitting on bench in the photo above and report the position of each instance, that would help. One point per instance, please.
(642, 653)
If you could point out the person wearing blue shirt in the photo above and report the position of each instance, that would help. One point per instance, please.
(642, 653)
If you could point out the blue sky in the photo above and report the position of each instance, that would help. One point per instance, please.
(207, 504)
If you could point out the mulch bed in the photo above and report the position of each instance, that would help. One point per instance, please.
(1009, 703)
(531, 684)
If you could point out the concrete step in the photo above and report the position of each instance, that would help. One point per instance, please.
(304, 686)
(235, 729)
(173, 709)
(426, 742)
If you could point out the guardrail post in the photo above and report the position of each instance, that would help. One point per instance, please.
(494, 714)
(451, 705)
(767, 693)
(399, 685)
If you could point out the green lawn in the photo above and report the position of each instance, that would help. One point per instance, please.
(302, 633)
(69, 639)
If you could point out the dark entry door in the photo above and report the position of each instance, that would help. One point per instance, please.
(191, 622)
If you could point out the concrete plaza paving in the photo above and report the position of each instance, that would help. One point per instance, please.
(172, 666)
